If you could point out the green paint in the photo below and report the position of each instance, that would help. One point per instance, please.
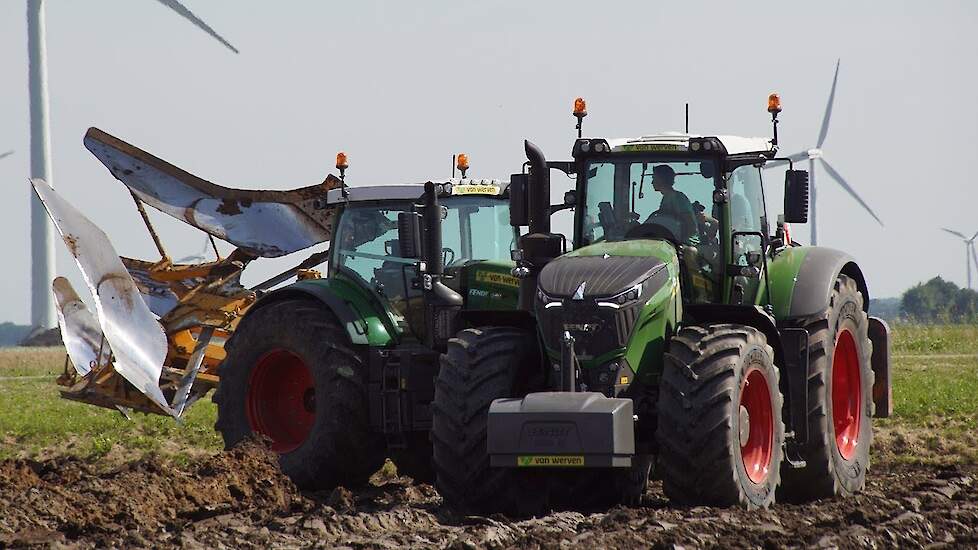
(660, 315)
(647, 343)
(375, 325)
(638, 247)
(783, 273)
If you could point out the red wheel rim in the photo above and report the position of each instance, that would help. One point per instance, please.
(281, 400)
(846, 394)
(756, 426)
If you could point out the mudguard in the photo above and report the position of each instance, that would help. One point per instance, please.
(879, 335)
(802, 279)
(363, 322)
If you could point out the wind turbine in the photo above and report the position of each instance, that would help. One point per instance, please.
(969, 251)
(816, 154)
(42, 244)
(202, 255)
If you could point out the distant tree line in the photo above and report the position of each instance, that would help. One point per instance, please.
(11, 334)
(936, 301)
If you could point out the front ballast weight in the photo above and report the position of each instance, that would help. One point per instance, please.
(560, 429)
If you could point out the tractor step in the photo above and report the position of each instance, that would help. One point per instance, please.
(561, 429)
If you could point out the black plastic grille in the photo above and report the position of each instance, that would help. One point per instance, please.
(596, 329)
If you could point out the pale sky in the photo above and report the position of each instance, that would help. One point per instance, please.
(400, 86)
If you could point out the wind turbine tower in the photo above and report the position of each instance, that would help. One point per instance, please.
(42, 244)
(969, 251)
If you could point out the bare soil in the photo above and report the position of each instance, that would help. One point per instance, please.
(240, 499)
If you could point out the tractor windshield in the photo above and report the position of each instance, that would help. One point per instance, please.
(629, 198)
(475, 228)
(657, 199)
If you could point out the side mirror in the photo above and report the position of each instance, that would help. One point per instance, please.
(796, 196)
(409, 234)
(519, 212)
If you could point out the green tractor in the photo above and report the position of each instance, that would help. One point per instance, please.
(338, 372)
(682, 332)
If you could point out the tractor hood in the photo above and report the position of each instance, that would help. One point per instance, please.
(600, 294)
(604, 269)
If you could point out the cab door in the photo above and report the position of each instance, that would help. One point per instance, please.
(747, 224)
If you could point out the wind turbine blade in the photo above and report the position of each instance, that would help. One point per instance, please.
(973, 237)
(955, 233)
(198, 22)
(5, 155)
(828, 109)
(838, 178)
(801, 155)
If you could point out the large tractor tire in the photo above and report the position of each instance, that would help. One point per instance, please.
(480, 366)
(720, 433)
(840, 401)
(292, 375)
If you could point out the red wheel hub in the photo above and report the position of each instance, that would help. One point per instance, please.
(756, 426)
(281, 401)
(846, 394)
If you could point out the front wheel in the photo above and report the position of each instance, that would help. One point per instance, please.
(292, 375)
(480, 365)
(720, 433)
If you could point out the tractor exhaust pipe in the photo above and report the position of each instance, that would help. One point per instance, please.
(442, 304)
(539, 246)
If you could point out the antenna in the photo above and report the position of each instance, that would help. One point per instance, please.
(687, 118)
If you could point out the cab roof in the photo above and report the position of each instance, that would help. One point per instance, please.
(410, 191)
(734, 145)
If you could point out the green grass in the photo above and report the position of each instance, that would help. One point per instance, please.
(934, 339)
(35, 421)
(935, 392)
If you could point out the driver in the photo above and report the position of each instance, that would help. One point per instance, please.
(675, 204)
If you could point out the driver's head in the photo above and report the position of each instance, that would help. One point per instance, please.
(663, 177)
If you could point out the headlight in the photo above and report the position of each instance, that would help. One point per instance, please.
(623, 298)
(547, 300)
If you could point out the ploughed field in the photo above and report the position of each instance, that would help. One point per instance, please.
(77, 475)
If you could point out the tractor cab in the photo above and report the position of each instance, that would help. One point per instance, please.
(476, 243)
(702, 195)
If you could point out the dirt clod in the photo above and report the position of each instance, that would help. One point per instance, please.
(239, 498)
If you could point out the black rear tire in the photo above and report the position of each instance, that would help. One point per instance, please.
(708, 418)
(336, 447)
(480, 365)
(827, 473)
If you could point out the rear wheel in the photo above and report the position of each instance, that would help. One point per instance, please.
(840, 401)
(480, 366)
(292, 375)
(720, 432)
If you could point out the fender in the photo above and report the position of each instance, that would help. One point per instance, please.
(363, 323)
(802, 279)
